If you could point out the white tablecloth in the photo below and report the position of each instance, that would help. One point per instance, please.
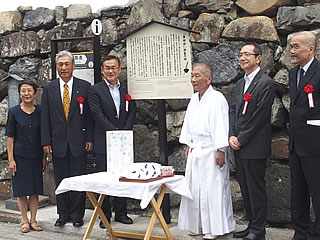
(102, 183)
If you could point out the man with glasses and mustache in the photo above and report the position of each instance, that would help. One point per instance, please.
(250, 138)
(304, 131)
(107, 101)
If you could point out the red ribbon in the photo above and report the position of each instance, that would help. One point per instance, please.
(128, 98)
(80, 101)
(247, 98)
(308, 90)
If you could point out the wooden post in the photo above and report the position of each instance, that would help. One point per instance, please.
(163, 152)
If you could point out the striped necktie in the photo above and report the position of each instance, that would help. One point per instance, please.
(66, 101)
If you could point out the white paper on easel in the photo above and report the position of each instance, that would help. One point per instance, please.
(119, 150)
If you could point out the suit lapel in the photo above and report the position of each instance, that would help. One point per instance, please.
(74, 97)
(250, 89)
(106, 92)
(307, 77)
(57, 95)
(293, 83)
(254, 82)
(240, 95)
(122, 99)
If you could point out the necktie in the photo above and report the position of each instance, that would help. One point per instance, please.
(66, 101)
(301, 75)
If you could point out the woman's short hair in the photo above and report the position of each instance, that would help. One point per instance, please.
(29, 82)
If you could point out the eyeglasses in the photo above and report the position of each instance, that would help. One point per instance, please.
(110, 68)
(247, 54)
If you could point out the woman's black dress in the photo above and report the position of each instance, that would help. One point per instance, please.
(27, 151)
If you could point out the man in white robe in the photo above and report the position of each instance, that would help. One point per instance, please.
(205, 132)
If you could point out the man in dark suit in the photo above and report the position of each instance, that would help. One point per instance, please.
(67, 134)
(304, 148)
(250, 138)
(107, 101)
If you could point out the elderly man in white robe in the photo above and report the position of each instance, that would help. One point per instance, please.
(205, 132)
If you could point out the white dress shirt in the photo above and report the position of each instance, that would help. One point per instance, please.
(115, 93)
(248, 79)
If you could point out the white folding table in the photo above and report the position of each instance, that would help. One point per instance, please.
(104, 184)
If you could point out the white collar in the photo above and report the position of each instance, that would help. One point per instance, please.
(306, 67)
(110, 85)
(252, 75)
(69, 83)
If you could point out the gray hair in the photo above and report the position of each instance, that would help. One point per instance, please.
(206, 68)
(65, 53)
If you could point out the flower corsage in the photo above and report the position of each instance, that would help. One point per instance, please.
(128, 99)
(247, 99)
(308, 90)
(80, 101)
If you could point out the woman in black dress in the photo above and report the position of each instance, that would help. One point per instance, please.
(26, 159)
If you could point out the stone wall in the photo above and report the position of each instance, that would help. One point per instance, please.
(224, 26)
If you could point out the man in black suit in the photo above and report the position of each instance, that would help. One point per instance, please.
(67, 134)
(107, 101)
(250, 138)
(304, 148)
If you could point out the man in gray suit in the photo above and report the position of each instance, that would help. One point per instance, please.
(112, 110)
(67, 134)
(250, 138)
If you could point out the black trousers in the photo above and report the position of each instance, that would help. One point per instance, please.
(119, 203)
(305, 180)
(70, 204)
(251, 173)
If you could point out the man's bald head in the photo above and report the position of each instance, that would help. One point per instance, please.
(302, 47)
(308, 37)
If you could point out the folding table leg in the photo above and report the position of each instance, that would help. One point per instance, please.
(97, 211)
(157, 214)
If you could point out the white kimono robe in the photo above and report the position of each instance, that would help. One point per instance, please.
(205, 129)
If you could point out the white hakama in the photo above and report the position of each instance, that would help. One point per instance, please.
(205, 130)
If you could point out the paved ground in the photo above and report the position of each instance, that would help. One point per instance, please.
(47, 216)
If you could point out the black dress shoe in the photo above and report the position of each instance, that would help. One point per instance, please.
(77, 223)
(101, 225)
(252, 236)
(124, 219)
(61, 222)
(241, 234)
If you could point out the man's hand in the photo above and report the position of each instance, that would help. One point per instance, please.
(186, 152)
(89, 146)
(44, 163)
(234, 143)
(12, 167)
(220, 158)
(47, 149)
